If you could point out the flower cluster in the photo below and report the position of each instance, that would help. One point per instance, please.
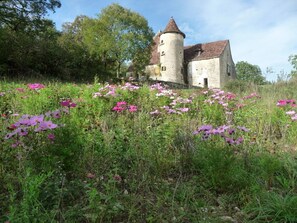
(227, 132)
(159, 87)
(68, 103)
(36, 124)
(219, 96)
(130, 87)
(252, 95)
(28, 123)
(108, 90)
(292, 114)
(122, 106)
(2, 94)
(285, 102)
(35, 86)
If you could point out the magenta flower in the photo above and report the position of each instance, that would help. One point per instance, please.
(132, 108)
(121, 103)
(285, 102)
(36, 86)
(68, 103)
(51, 137)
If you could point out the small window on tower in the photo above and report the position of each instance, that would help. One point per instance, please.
(162, 42)
(163, 68)
(228, 70)
(163, 53)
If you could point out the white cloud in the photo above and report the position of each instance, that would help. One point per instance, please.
(261, 32)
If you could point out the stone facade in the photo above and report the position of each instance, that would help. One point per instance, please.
(201, 65)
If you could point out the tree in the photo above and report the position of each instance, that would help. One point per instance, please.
(250, 73)
(293, 61)
(119, 35)
(18, 14)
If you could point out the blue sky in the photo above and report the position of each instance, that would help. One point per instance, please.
(261, 32)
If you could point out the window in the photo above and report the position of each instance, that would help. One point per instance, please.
(205, 80)
(163, 53)
(163, 68)
(228, 70)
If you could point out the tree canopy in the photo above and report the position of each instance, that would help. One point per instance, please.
(86, 47)
(119, 35)
(18, 14)
(250, 73)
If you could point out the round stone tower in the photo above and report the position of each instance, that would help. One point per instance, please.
(171, 49)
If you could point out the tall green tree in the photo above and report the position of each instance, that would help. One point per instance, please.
(119, 35)
(249, 73)
(293, 61)
(81, 63)
(18, 14)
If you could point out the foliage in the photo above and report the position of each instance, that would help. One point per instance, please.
(18, 15)
(293, 61)
(249, 73)
(119, 35)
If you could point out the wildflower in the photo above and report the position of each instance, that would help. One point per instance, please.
(20, 89)
(242, 128)
(68, 103)
(121, 103)
(51, 137)
(36, 86)
(118, 108)
(132, 108)
(183, 109)
(2, 94)
(45, 125)
(156, 112)
(290, 112)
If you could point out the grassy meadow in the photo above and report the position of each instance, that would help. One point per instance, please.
(126, 153)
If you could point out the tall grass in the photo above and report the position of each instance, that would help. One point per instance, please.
(105, 162)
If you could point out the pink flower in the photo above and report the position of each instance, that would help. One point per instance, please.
(20, 89)
(51, 137)
(290, 112)
(36, 86)
(121, 103)
(68, 103)
(183, 109)
(132, 108)
(118, 108)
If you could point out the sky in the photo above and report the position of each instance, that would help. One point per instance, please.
(261, 32)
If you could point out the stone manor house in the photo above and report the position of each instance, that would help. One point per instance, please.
(202, 65)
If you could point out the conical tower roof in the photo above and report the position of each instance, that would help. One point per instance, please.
(172, 28)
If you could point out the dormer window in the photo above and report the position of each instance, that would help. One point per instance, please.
(198, 52)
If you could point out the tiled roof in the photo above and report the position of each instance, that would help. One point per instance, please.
(204, 51)
(172, 28)
(155, 56)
